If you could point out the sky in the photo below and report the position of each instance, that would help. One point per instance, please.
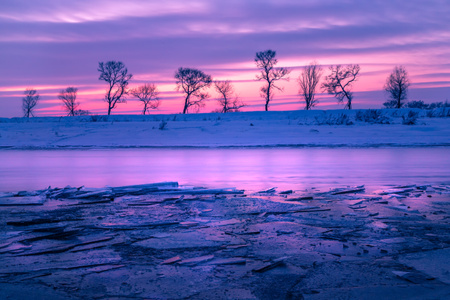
(51, 44)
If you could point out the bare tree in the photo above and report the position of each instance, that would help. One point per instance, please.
(339, 82)
(308, 81)
(117, 77)
(148, 94)
(227, 101)
(397, 87)
(29, 102)
(266, 61)
(68, 96)
(192, 82)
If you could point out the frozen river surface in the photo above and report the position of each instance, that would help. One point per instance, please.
(246, 168)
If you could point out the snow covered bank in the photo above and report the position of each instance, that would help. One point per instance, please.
(246, 129)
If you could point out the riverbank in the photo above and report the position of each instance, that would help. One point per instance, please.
(334, 128)
(163, 241)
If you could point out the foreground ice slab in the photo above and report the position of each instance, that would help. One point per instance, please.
(165, 241)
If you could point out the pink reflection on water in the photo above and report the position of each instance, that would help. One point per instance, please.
(251, 169)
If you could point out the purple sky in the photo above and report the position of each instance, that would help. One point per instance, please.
(52, 44)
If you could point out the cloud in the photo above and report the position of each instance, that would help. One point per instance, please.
(99, 19)
(81, 11)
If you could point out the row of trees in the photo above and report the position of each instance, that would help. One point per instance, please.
(193, 83)
(340, 80)
(338, 83)
(68, 96)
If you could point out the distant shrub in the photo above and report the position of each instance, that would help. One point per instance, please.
(162, 125)
(81, 112)
(372, 116)
(341, 119)
(438, 105)
(416, 104)
(442, 112)
(422, 105)
(395, 113)
(411, 118)
(97, 118)
(390, 104)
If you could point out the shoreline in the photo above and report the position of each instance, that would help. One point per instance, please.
(287, 146)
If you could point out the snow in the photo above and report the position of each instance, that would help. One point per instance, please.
(243, 129)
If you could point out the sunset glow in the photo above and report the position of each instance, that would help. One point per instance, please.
(49, 45)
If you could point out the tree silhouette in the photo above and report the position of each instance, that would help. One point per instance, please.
(68, 96)
(29, 102)
(116, 75)
(339, 82)
(266, 61)
(148, 95)
(397, 87)
(227, 101)
(192, 82)
(308, 81)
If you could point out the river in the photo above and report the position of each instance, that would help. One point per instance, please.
(245, 168)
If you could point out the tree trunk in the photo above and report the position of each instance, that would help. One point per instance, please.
(349, 103)
(399, 99)
(145, 108)
(267, 96)
(186, 101)
(225, 106)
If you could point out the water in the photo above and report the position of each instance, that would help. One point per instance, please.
(250, 169)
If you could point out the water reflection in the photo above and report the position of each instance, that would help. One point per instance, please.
(252, 169)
